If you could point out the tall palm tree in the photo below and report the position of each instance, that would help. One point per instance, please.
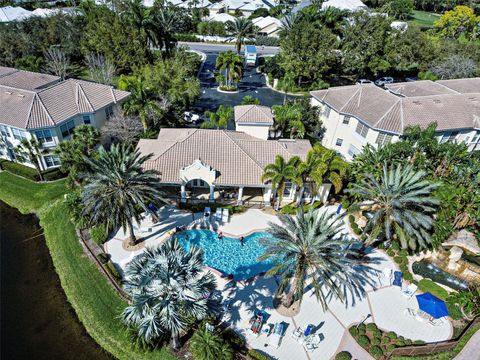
(330, 167)
(117, 188)
(279, 173)
(286, 116)
(219, 119)
(232, 64)
(32, 151)
(400, 206)
(167, 24)
(240, 30)
(310, 249)
(168, 288)
(207, 345)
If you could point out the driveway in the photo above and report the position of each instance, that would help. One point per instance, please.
(205, 47)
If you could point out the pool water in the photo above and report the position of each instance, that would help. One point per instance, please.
(228, 255)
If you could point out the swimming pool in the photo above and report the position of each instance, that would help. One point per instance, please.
(228, 255)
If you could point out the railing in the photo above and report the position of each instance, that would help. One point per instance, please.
(431, 348)
(193, 201)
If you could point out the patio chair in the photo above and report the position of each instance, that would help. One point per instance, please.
(385, 277)
(410, 312)
(313, 342)
(256, 324)
(410, 290)
(225, 216)
(397, 278)
(297, 333)
(207, 212)
(307, 334)
(218, 214)
(276, 336)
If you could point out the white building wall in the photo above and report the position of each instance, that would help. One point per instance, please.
(258, 131)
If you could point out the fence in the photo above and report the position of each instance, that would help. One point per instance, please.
(432, 348)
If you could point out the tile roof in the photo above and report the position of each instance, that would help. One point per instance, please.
(419, 88)
(26, 80)
(463, 86)
(256, 114)
(238, 158)
(52, 105)
(382, 110)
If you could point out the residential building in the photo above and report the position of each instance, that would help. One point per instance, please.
(244, 7)
(347, 5)
(254, 120)
(268, 26)
(357, 115)
(13, 13)
(40, 106)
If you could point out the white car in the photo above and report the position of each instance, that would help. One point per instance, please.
(384, 81)
(191, 117)
(363, 81)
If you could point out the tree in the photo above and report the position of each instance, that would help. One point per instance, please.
(400, 9)
(208, 345)
(168, 289)
(279, 173)
(232, 64)
(400, 206)
(167, 23)
(123, 128)
(240, 30)
(468, 301)
(250, 100)
(100, 69)
(117, 188)
(57, 62)
(461, 21)
(330, 167)
(454, 67)
(31, 151)
(219, 119)
(312, 249)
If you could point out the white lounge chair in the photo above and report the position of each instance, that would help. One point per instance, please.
(297, 333)
(410, 312)
(313, 342)
(386, 277)
(276, 336)
(218, 214)
(225, 216)
(410, 290)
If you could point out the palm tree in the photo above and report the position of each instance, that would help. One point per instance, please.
(232, 64)
(207, 345)
(330, 167)
(117, 188)
(167, 24)
(399, 206)
(287, 116)
(240, 30)
(310, 249)
(219, 119)
(279, 173)
(168, 288)
(32, 151)
(250, 100)
(288, 22)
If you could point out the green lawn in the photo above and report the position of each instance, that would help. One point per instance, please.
(97, 305)
(424, 18)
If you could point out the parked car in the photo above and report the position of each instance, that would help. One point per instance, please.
(384, 81)
(363, 81)
(191, 118)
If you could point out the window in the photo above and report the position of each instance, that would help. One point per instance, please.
(19, 134)
(86, 119)
(346, 119)
(4, 131)
(339, 142)
(475, 138)
(362, 129)
(288, 190)
(51, 161)
(451, 136)
(108, 112)
(352, 151)
(44, 136)
(326, 112)
(67, 128)
(383, 139)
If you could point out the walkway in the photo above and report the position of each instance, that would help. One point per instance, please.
(471, 350)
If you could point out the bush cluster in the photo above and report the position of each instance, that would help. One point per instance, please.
(257, 355)
(363, 341)
(266, 41)
(29, 172)
(113, 271)
(354, 225)
(211, 28)
(99, 234)
(343, 355)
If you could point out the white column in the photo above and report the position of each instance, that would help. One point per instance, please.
(267, 195)
(240, 195)
(212, 193)
(183, 193)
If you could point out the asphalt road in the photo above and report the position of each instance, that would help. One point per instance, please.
(204, 47)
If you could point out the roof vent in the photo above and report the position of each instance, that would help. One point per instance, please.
(21, 95)
(8, 92)
(417, 102)
(436, 101)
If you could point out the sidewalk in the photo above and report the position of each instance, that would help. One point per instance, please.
(471, 350)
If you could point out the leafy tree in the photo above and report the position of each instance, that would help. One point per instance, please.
(168, 289)
(400, 206)
(240, 30)
(250, 100)
(232, 64)
(31, 151)
(208, 345)
(117, 188)
(279, 173)
(311, 249)
(454, 67)
(400, 9)
(461, 21)
(288, 120)
(468, 301)
(219, 119)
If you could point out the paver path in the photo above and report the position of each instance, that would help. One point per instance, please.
(471, 351)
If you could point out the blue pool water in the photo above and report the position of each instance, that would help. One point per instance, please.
(228, 255)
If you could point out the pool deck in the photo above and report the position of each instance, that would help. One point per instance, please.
(385, 303)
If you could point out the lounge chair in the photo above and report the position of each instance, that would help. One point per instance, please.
(256, 323)
(397, 278)
(225, 216)
(218, 214)
(207, 212)
(313, 342)
(410, 312)
(436, 322)
(410, 290)
(297, 333)
(306, 334)
(385, 277)
(276, 336)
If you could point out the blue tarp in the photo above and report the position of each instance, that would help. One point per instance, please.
(432, 305)
(397, 278)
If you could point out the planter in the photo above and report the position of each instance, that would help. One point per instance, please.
(227, 91)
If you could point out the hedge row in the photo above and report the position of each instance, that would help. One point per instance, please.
(30, 173)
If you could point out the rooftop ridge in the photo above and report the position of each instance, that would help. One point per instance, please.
(80, 89)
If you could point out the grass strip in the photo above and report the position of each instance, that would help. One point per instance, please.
(96, 304)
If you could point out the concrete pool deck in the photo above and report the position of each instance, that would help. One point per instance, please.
(385, 303)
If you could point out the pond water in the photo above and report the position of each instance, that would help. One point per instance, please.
(37, 322)
(433, 272)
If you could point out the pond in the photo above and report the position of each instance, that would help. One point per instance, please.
(37, 322)
(433, 272)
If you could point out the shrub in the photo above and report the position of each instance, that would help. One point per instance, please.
(408, 276)
(19, 169)
(394, 245)
(289, 209)
(377, 334)
(385, 340)
(206, 345)
(376, 351)
(353, 331)
(372, 327)
(390, 347)
(363, 341)
(400, 343)
(234, 339)
(99, 234)
(187, 37)
(391, 252)
(343, 355)
(257, 355)
(392, 335)
(53, 174)
(400, 260)
(418, 342)
(403, 252)
(266, 40)
(345, 204)
(103, 258)
(408, 342)
(113, 271)
(361, 327)
(375, 341)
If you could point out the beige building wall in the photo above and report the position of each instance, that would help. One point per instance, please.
(259, 131)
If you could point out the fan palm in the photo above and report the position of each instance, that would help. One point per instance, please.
(232, 64)
(117, 188)
(399, 206)
(32, 151)
(168, 289)
(310, 249)
(207, 345)
(240, 30)
(279, 173)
